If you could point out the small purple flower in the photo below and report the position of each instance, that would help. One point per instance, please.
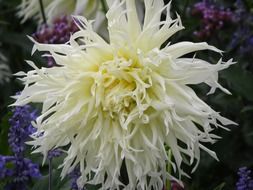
(54, 153)
(22, 171)
(213, 18)
(58, 32)
(243, 37)
(245, 181)
(25, 169)
(21, 128)
(5, 172)
(74, 175)
(241, 10)
(17, 169)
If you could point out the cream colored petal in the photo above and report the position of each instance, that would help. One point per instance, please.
(117, 23)
(183, 48)
(196, 71)
(133, 22)
(154, 29)
(58, 8)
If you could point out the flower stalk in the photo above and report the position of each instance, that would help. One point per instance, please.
(42, 12)
(104, 7)
(168, 182)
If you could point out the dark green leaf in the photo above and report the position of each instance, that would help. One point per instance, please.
(220, 187)
(240, 81)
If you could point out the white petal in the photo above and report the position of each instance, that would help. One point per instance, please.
(182, 48)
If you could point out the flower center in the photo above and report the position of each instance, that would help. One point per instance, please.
(122, 87)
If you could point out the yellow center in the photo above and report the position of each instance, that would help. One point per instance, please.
(122, 85)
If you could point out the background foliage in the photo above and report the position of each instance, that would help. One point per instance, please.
(235, 37)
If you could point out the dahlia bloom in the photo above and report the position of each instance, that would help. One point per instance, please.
(53, 9)
(126, 100)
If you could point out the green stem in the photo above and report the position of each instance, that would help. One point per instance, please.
(168, 182)
(42, 12)
(104, 6)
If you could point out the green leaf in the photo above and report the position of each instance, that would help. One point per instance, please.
(220, 187)
(248, 133)
(57, 182)
(240, 81)
(247, 109)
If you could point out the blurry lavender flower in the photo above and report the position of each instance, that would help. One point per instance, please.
(241, 10)
(22, 171)
(56, 33)
(54, 153)
(243, 37)
(5, 172)
(21, 128)
(213, 18)
(248, 46)
(74, 175)
(243, 41)
(245, 181)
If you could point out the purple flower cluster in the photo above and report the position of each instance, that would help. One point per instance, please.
(242, 41)
(22, 170)
(54, 153)
(243, 36)
(21, 128)
(20, 173)
(74, 175)
(58, 32)
(213, 18)
(245, 181)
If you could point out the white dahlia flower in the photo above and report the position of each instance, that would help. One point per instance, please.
(55, 8)
(126, 100)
